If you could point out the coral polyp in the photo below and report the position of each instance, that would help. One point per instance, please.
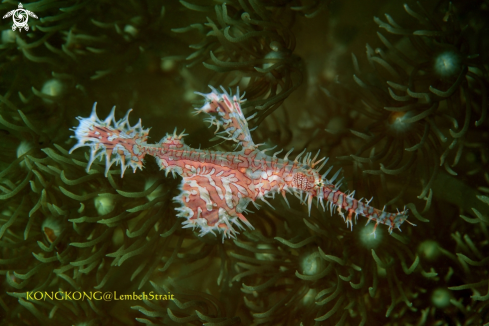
(448, 64)
(249, 44)
(410, 95)
(398, 122)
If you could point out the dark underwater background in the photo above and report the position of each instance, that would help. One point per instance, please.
(393, 92)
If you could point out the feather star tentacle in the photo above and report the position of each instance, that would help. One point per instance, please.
(217, 186)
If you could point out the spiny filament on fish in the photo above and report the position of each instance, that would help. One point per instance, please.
(217, 186)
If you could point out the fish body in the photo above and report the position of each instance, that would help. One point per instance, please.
(217, 186)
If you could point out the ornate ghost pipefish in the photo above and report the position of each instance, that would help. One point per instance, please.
(217, 186)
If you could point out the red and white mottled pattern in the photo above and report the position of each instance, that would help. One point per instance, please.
(217, 186)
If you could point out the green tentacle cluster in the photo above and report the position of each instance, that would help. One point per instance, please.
(250, 44)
